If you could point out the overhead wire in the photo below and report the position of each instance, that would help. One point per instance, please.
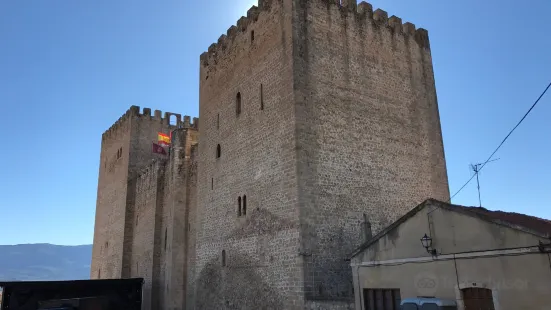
(503, 141)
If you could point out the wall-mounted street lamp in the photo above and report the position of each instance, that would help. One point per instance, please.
(426, 241)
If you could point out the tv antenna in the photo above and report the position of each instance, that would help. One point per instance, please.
(476, 168)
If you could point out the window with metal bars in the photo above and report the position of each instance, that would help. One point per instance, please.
(382, 299)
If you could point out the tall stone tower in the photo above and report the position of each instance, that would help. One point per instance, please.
(320, 126)
(143, 205)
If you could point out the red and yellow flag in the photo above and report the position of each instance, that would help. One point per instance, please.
(163, 139)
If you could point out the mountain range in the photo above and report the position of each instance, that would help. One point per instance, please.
(44, 262)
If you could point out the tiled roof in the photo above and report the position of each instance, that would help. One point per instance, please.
(536, 224)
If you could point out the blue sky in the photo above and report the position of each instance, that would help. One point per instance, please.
(69, 69)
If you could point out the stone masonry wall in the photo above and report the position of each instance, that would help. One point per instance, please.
(191, 224)
(133, 190)
(166, 223)
(126, 149)
(159, 238)
(144, 245)
(261, 269)
(159, 251)
(111, 201)
(144, 131)
(367, 133)
(178, 236)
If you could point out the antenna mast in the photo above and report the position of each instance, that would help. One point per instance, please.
(476, 168)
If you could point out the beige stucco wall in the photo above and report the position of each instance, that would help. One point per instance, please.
(452, 232)
(518, 281)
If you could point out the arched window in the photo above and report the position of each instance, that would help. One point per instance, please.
(239, 206)
(244, 204)
(218, 151)
(223, 258)
(238, 104)
(252, 36)
(173, 120)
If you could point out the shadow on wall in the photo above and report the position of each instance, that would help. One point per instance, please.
(327, 273)
(234, 288)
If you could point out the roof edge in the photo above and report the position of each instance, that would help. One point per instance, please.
(395, 224)
(484, 217)
(450, 207)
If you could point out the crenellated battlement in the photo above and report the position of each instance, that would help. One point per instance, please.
(134, 112)
(181, 121)
(226, 40)
(379, 17)
(362, 11)
(122, 123)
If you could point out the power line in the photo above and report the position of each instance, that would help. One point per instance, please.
(505, 139)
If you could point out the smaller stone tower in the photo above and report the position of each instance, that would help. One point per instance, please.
(141, 201)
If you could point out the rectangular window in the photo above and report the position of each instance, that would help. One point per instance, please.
(381, 299)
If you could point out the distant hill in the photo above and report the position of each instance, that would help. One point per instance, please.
(44, 262)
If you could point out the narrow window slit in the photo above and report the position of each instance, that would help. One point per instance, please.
(238, 104)
(165, 237)
(261, 97)
(239, 206)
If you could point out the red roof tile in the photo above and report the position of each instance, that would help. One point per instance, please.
(536, 224)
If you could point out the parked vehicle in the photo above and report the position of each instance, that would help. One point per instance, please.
(428, 303)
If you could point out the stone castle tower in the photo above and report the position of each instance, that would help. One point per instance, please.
(142, 204)
(319, 127)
